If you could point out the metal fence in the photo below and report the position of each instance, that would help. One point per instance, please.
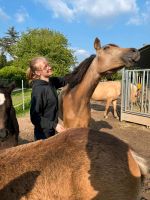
(137, 111)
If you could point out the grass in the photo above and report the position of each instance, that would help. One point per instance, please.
(18, 101)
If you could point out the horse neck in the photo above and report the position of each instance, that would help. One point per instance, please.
(89, 82)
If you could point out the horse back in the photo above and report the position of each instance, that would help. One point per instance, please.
(77, 164)
(107, 90)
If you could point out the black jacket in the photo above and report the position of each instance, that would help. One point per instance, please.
(44, 103)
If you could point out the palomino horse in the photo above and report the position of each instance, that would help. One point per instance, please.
(79, 164)
(110, 91)
(9, 128)
(84, 79)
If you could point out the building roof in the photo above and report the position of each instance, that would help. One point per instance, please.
(144, 61)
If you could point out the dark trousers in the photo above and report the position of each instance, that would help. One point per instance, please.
(41, 134)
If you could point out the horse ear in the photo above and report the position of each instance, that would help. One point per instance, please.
(97, 44)
(11, 86)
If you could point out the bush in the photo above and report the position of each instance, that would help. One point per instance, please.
(117, 76)
(112, 77)
(12, 73)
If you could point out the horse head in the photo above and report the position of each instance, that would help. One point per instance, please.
(84, 79)
(112, 57)
(8, 122)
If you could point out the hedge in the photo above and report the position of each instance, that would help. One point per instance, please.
(12, 73)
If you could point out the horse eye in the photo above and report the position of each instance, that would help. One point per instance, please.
(106, 47)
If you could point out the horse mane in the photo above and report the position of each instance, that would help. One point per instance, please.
(78, 73)
(114, 45)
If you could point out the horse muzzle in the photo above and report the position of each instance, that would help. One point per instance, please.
(131, 57)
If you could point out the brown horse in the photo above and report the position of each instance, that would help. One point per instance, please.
(79, 164)
(9, 128)
(110, 91)
(84, 79)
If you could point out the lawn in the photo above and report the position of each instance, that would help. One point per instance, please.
(18, 97)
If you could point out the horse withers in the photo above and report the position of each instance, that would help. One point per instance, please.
(9, 128)
(79, 164)
(84, 79)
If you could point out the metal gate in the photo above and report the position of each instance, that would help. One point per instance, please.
(137, 109)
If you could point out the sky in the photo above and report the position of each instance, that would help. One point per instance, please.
(122, 22)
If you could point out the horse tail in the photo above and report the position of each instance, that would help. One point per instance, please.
(141, 162)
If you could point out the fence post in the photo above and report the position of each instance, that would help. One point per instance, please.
(23, 106)
(122, 93)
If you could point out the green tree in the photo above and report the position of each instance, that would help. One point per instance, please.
(9, 40)
(3, 60)
(44, 42)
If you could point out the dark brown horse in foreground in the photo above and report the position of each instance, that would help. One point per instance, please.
(9, 128)
(78, 164)
(84, 79)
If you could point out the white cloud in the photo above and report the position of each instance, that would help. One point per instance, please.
(81, 54)
(101, 9)
(97, 10)
(93, 9)
(3, 15)
(21, 15)
(141, 17)
(59, 7)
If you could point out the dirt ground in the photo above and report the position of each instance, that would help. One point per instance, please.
(137, 136)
